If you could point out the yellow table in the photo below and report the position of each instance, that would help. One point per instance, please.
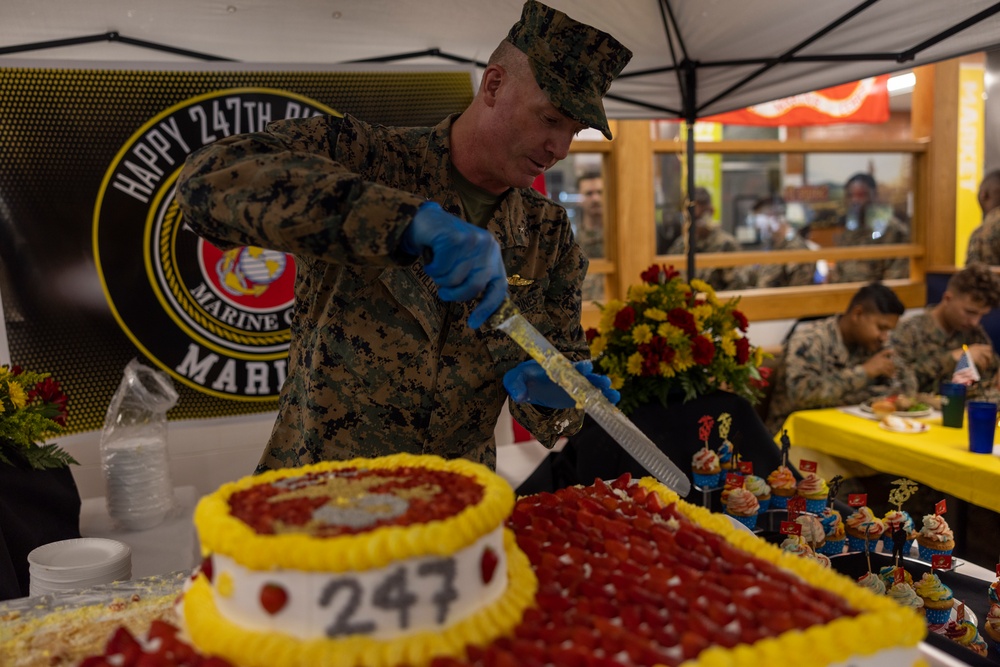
(939, 458)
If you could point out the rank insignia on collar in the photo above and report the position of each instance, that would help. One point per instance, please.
(518, 280)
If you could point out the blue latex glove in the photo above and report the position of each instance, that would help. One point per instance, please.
(465, 261)
(528, 383)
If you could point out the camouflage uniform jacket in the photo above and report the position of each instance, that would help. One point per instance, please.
(926, 348)
(378, 364)
(818, 370)
(717, 240)
(868, 270)
(783, 275)
(984, 242)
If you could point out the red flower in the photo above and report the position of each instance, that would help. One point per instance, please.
(591, 334)
(670, 272)
(683, 320)
(765, 374)
(741, 321)
(651, 275)
(655, 351)
(742, 350)
(703, 350)
(51, 395)
(625, 318)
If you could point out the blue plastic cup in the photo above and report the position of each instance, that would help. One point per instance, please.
(982, 426)
(952, 404)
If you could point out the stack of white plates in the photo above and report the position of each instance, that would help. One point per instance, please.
(78, 563)
(140, 493)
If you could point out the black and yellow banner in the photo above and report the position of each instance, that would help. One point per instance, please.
(96, 264)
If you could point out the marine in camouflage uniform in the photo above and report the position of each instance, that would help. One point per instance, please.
(868, 270)
(378, 363)
(783, 275)
(925, 348)
(984, 242)
(712, 238)
(819, 370)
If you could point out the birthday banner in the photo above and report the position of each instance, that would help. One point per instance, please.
(96, 264)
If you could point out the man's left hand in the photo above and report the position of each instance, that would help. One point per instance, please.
(528, 383)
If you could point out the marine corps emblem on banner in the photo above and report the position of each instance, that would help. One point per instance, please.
(218, 321)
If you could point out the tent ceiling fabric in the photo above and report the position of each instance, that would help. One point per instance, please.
(327, 33)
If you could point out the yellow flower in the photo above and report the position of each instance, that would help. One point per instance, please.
(758, 356)
(702, 286)
(666, 370)
(702, 313)
(608, 313)
(634, 366)
(728, 345)
(640, 291)
(617, 381)
(642, 334)
(655, 314)
(17, 395)
(598, 345)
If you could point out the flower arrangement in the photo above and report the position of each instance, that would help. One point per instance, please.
(32, 408)
(672, 335)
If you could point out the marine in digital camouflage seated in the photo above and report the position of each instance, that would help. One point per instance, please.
(388, 352)
(931, 343)
(841, 360)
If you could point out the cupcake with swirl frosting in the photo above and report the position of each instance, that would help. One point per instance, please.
(992, 625)
(903, 594)
(812, 531)
(815, 490)
(935, 538)
(873, 583)
(836, 538)
(993, 592)
(966, 634)
(894, 520)
(705, 468)
(938, 598)
(860, 524)
(761, 490)
(743, 506)
(888, 575)
(782, 483)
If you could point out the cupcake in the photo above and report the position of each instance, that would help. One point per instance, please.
(822, 559)
(728, 484)
(705, 468)
(726, 459)
(796, 545)
(759, 487)
(814, 489)
(836, 538)
(812, 531)
(888, 575)
(861, 523)
(743, 507)
(965, 634)
(992, 625)
(782, 483)
(872, 583)
(993, 592)
(938, 598)
(935, 538)
(904, 594)
(893, 520)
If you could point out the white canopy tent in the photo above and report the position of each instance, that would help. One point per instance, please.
(693, 58)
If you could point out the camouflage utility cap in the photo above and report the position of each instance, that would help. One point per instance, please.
(573, 63)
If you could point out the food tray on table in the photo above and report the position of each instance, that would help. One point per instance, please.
(970, 590)
(62, 628)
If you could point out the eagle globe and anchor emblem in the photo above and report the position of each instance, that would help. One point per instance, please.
(217, 320)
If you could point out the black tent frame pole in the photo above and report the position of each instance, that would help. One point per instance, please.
(689, 78)
(112, 36)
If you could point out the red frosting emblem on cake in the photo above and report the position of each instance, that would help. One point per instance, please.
(354, 500)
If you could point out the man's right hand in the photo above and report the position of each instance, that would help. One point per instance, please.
(465, 260)
(981, 353)
(879, 364)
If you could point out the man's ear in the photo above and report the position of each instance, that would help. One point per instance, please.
(493, 77)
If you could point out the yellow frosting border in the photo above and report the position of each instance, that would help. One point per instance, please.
(882, 623)
(220, 532)
(215, 635)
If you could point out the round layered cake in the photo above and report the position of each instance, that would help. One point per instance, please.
(369, 562)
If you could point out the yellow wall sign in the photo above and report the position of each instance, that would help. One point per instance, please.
(970, 156)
